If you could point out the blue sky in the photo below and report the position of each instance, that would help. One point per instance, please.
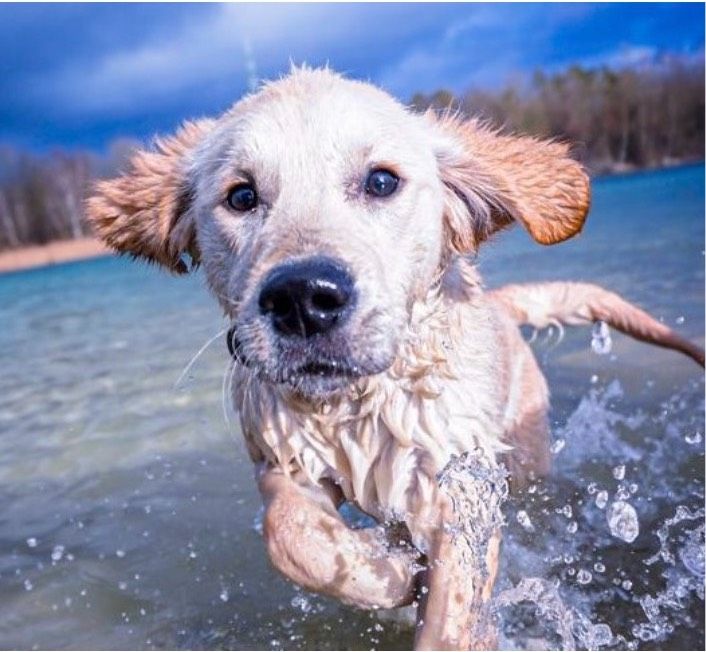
(80, 75)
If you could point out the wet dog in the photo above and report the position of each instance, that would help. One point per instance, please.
(334, 227)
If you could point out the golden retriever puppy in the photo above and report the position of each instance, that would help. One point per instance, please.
(332, 224)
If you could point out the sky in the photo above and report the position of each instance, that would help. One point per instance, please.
(81, 75)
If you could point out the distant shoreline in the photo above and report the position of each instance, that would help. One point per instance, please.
(598, 171)
(65, 251)
(60, 251)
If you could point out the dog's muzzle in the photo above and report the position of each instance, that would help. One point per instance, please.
(307, 298)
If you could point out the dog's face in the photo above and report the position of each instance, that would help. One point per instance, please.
(318, 216)
(322, 209)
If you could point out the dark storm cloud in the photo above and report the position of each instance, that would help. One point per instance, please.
(81, 75)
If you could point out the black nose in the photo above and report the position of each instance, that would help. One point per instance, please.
(308, 297)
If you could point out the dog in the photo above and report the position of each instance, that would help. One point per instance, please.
(336, 229)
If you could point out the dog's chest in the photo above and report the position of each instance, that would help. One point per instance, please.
(384, 445)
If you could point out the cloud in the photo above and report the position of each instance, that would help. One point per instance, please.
(205, 50)
(623, 56)
(86, 73)
(209, 55)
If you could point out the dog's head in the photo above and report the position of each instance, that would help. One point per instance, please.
(322, 209)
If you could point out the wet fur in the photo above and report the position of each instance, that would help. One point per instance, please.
(440, 367)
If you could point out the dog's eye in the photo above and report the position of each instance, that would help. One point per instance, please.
(242, 197)
(381, 183)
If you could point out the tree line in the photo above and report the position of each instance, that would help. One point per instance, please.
(42, 197)
(617, 120)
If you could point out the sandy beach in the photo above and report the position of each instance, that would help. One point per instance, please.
(61, 251)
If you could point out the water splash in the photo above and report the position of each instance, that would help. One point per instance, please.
(572, 628)
(562, 590)
(593, 587)
(601, 341)
(665, 552)
(478, 488)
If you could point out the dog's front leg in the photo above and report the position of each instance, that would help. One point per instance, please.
(461, 530)
(309, 543)
(454, 607)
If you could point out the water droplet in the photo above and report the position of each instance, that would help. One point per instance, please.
(627, 585)
(594, 379)
(601, 636)
(28, 585)
(302, 603)
(601, 342)
(122, 585)
(601, 499)
(224, 595)
(583, 576)
(572, 527)
(32, 542)
(192, 555)
(598, 567)
(524, 520)
(57, 553)
(619, 472)
(693, 439)
(622, 521)
(680, 319)
(120, 553)
(592, 488)
(623, 493)
(558, 446)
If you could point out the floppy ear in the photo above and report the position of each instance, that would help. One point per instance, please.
(145, 211)
(493, 180)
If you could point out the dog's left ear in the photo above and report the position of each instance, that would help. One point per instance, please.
(492, 180)
(145, 212)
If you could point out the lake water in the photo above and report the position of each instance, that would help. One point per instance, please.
(128, 511)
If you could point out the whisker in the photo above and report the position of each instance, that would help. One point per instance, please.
(198, 354)
(227, 379)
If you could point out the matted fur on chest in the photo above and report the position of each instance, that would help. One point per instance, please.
(385, 441)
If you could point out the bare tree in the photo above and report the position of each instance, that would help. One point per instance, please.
(649, 116)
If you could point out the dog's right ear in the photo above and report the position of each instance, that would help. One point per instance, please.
(145, 212)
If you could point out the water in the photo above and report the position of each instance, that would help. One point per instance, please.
(129, 512)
